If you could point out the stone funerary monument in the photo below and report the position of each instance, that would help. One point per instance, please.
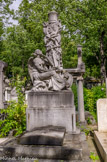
(51, 100)
(51, 132)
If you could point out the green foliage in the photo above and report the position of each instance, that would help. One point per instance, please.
(85, 130)
(93, 25)
(92, 70)
(1, 32)
(5, 11)
(91, 96)
(22, 40)
(15, 113)
(17, 49)
(83, 22)
(36, 160)
(93, 156)
(89, 120)
(74, 89)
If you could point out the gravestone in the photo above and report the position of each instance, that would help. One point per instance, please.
(102, 115)
(100, 136)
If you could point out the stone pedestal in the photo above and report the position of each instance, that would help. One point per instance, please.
(51, 108)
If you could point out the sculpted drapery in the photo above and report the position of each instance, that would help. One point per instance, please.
(46, 71)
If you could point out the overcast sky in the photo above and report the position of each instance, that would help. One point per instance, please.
(15, 6)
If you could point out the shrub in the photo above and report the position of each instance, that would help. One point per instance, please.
(90, 97)
(15, 113)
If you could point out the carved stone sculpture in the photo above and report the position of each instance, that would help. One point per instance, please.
(46, 71)
(46, 77)
(53, 39)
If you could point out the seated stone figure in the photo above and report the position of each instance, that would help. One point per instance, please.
(46, 77)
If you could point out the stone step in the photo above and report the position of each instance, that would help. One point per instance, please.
(74, 148)
(49, 135)
(42, 152)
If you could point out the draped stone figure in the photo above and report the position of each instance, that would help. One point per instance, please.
(46, 71)
(46, 77)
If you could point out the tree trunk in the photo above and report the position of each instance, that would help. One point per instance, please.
(103, 60)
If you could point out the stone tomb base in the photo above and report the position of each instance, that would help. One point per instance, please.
(51, 108)
(74, 148)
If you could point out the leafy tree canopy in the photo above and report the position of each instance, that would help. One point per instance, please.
(83, 22)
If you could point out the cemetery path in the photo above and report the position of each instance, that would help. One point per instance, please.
(92, 145)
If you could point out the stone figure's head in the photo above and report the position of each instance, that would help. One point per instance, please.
(37, 52)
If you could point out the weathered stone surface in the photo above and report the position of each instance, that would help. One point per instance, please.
(101, 142)
(89, 116)
(73, 149)
(43, 152)
(49, 135)
(102, 115)
(46, 71)
(2, 98)
(52, 31)
(3, 140)
(50, 100)
(46, 77)
(80, 99)
(51, 108)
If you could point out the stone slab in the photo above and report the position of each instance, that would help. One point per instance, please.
(101, 142)
(49, 135)
(74, 149)
(102, 115)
